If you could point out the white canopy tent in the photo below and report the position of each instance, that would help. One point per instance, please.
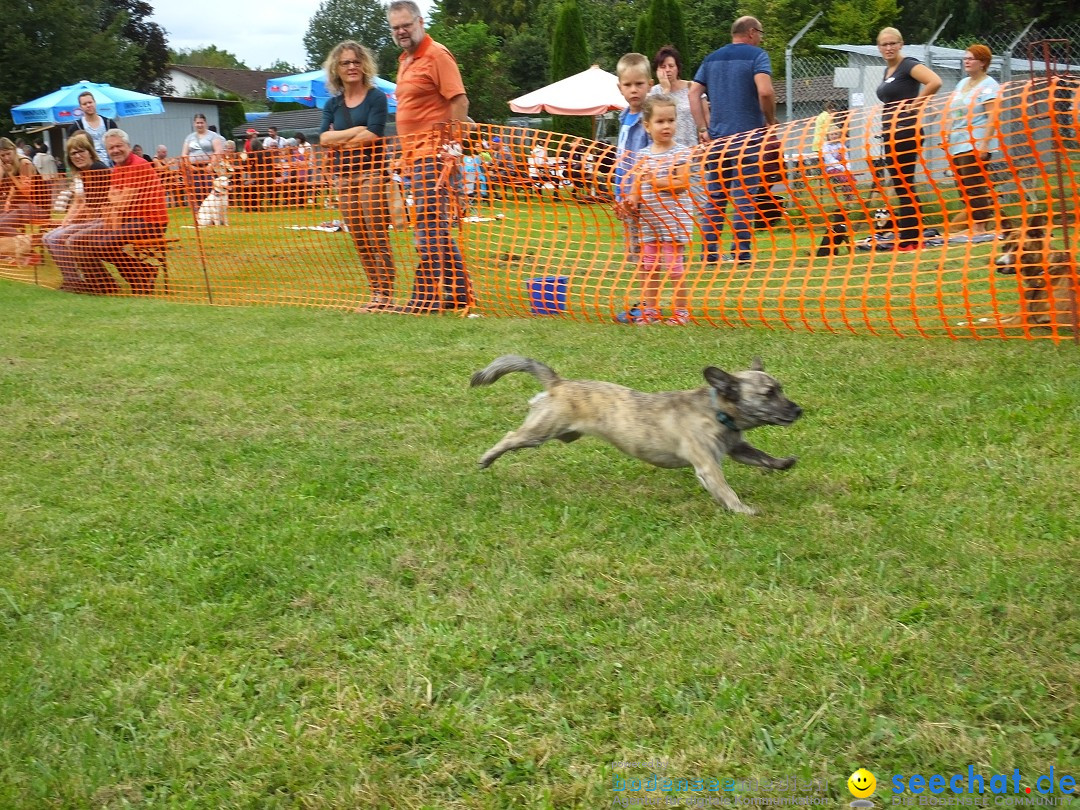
(591, 92)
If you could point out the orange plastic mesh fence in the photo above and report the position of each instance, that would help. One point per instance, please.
(864, 223)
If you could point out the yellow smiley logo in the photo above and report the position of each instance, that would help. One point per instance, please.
(862, 784)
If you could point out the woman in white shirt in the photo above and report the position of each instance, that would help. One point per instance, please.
(971, 113)
(199, 157)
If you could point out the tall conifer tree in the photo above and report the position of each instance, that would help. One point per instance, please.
(570, 55)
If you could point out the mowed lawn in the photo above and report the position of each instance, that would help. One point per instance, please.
(247, 560)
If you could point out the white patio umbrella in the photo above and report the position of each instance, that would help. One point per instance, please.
(591, 92)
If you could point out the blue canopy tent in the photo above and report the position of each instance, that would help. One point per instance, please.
(310, 90)
(62, 106)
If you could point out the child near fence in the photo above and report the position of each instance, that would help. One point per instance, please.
(635, 78)
(661, 192)
(834, 157)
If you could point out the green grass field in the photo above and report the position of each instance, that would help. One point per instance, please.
(247, 561)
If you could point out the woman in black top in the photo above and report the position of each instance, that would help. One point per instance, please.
(905, 78)
(354, 122)
(84, 216)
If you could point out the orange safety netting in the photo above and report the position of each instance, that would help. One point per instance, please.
(854, 230)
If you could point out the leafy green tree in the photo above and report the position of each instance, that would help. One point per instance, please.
(643, 32)
(504, 18)
(282, 67)
(661, 25)
(609, 26)
(360, 20)
(229, 115)
(208, 56)
(145, 42)
(528, 61)
(852, 21)
(51, 43)
(569, 55)
(480, 61)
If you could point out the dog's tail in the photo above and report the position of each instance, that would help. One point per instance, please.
(509, 363)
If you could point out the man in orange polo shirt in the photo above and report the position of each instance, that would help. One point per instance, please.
(430, 94)
(135, 211)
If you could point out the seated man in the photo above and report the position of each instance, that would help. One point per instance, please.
(135, 211)
(172, 181)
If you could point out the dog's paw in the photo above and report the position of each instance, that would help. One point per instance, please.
(743, 509)
(786, 463)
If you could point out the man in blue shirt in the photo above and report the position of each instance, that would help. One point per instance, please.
(737, 80)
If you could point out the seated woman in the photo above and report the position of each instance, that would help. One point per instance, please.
(84, 216)
(23, 192)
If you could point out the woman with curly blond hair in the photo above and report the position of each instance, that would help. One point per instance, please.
(353, 124)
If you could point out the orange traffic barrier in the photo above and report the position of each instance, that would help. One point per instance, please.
(881, 231)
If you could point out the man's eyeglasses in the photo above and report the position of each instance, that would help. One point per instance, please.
(348, 63)
(406, 27)
(758, 30)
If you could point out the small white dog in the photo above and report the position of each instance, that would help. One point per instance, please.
(16, 248)
(214, 210)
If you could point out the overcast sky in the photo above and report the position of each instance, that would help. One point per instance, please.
(257, 32)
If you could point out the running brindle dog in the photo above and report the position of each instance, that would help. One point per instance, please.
(695, 428)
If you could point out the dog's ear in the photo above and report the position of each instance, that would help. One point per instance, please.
(1038, 221)
(756, 364)
(725, 384)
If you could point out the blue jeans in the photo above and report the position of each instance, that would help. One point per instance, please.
(63, 243)
(736, 180)
(441, 265)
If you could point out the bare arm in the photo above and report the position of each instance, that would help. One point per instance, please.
(22, 180)
(673, 181)
(119, 202)
(219, 151)
(929, 80)
(766, 96)
(75, 210)
(698, 110)
(459, 108)
(459, 112)
(353, 136)
(993, 107)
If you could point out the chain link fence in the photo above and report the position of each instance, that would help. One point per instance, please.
(812, 82)
(1018, 56)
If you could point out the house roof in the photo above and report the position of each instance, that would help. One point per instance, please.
(248, 84)
(307, 121)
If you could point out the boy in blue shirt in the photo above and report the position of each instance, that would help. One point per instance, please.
(635, 79)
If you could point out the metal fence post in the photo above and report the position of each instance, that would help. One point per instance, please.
(789, 65)
(1006, 63)
(933, 39)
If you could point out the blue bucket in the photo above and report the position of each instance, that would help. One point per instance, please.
(547, 294)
